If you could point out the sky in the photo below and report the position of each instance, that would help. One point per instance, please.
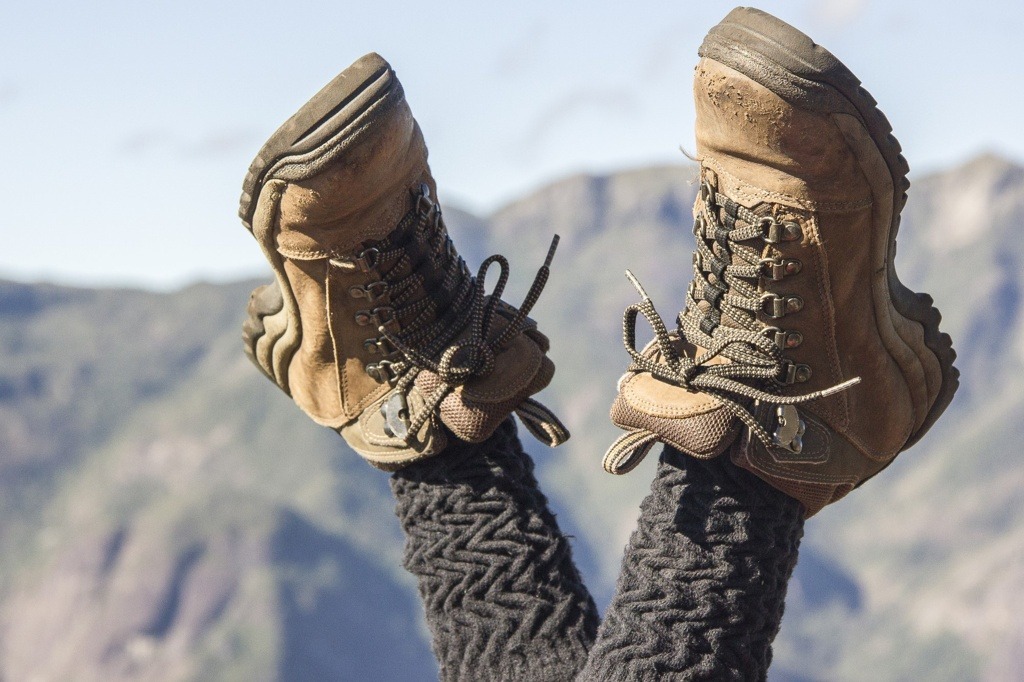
(127, 127)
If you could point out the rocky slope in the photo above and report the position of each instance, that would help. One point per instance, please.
(166, 514)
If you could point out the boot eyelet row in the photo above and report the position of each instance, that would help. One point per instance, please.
(778, 306)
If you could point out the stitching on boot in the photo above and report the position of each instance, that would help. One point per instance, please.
(779, 197)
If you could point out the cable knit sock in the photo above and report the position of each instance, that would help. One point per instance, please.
(703, 580)
(503, 599)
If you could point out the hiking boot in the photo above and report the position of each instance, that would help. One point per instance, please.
(375, 326)
(797, 332)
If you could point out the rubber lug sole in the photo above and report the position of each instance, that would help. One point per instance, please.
(266, 307)
(316, 126)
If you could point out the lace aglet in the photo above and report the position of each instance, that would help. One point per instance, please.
(840, 387)
(852, 382)
(824, 393)
(551, 251)
(636, 284)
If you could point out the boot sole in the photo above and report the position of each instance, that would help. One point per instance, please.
(265, 304)
(299, 149)
(787, 62)
(296, 150)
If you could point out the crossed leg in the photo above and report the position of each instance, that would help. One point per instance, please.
(799, 171)
(700, 595)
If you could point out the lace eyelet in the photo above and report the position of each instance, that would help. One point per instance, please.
(698, 226)
(773, 231)
(379, 316)
(794, 373)
(783, 338)
(706, 190)
(775, 306)
(779, 268)
(381, 372)
(378, 346)
(365, 260)
(371, 291)
(422, 194)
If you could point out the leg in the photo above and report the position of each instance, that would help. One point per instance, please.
(376, 327)
(799, 360)
(503, 599)
(703, 581)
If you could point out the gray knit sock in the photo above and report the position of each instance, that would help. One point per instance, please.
(503, 599)
(704, 577)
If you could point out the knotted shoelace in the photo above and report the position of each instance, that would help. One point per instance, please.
(721, 274)
(430, 339)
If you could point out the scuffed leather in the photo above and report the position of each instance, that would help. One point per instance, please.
(306, 227)
(825, 172)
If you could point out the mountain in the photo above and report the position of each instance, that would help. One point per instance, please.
(165, 516)
(168, 514)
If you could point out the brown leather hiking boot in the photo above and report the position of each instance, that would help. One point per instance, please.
(375, 326)
(796, 330)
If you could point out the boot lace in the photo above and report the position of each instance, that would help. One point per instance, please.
(727, 267)
(429, 332)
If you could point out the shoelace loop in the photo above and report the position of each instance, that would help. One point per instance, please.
(431, 340)
(751, 350)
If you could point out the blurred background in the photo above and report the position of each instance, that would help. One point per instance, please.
(166, 514)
